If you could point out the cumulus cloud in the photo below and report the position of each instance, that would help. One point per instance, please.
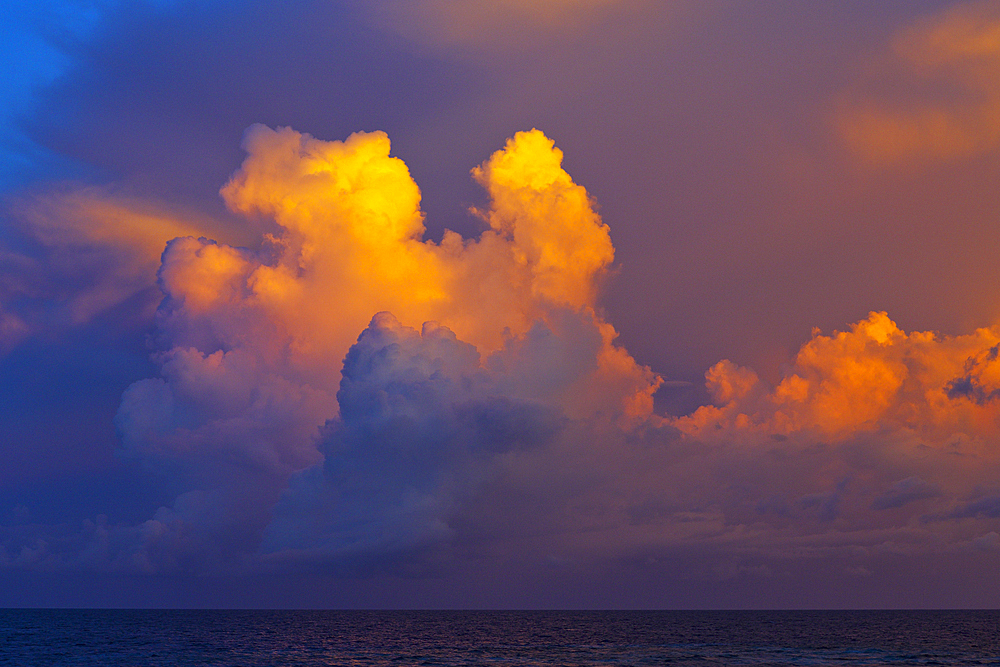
(351, 233)
(252, 341)
(426, 465)
(871, 378)
(422, 422)
(347, 395)
(865, 432)
(948, 101)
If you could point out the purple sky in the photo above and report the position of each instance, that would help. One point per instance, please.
(721, 332)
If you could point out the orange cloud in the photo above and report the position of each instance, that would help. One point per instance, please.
(255, 343)
(348, 244)
(949, 106)
(556, 232)
(874, 377)
(102, 248)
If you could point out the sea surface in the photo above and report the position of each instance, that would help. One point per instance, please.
(153, 638)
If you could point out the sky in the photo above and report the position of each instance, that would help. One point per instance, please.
(450, 304)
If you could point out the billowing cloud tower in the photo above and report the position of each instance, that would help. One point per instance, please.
(253, 343)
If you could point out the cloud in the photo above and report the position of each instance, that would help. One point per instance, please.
(87, 250)
(825, 504)
(978, 383)
(422, 422)
(863, 432)
(988, 506)
(13, 330)
(903, 492)
(944, 70)
(252, 340)
(344, 395)
(411, 484)
(988, 542)
(873, 377)
(351, 228)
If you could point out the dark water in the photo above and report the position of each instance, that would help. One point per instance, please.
(82, 637)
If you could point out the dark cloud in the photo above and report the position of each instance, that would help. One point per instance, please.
(160, 94)
(826, 505)
(971, 385)
(990, 542)
(904, 492)
(422, 428)
(987, 507)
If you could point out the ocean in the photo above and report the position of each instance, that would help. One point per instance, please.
(151, 638)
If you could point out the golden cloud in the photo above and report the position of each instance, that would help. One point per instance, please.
(121, 237)
(874, 377)
(948, 104)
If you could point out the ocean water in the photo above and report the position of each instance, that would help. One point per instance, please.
(153, 638)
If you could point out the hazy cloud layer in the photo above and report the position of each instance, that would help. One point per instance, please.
(946, 101)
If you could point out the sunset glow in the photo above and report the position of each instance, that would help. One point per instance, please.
(433, 304)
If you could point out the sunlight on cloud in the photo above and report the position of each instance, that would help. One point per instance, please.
(350, 244)
(872, 378)
(949, 101)
(91, 251)
(253, 341)
(347, 395)
(79, 221)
